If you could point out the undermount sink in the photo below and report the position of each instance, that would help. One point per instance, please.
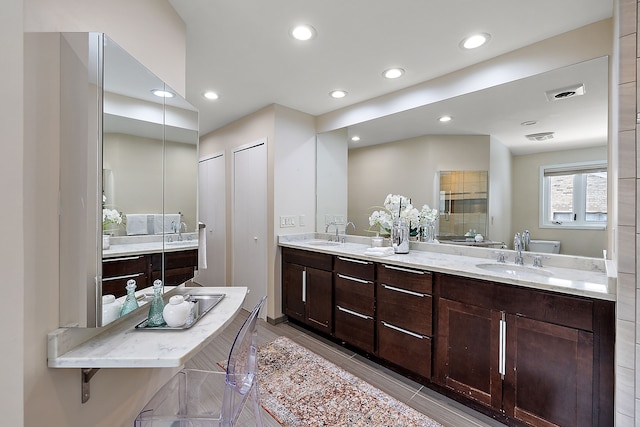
(323, 243)
(514, 270)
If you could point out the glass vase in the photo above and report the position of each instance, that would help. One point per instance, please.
(156, 306)
(429, 232)
(130, 302)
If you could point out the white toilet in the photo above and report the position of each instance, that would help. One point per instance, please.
(545, 246)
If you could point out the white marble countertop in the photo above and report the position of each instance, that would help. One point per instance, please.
(140, 245)
(560, 273)
(120, 345)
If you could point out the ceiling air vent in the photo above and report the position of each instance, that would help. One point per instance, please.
(565, 92)
(542, 136)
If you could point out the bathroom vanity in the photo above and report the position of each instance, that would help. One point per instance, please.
(526, 346)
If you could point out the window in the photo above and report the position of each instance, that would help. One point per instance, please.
(574, 195)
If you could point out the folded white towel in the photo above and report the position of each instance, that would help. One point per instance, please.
(136, 224)
(385, 251)
(202, 246)
(165, 223)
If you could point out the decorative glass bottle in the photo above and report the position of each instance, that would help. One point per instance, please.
(156, 306)
(130, 302)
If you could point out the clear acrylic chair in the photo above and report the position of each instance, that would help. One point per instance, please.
(189, 398)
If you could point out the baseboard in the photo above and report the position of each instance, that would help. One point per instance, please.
(277, 320)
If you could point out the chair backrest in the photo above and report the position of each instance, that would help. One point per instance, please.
(242, 367)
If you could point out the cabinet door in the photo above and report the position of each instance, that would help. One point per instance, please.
(549, 375)
(292, 290)
(318, 299)
(467, 352)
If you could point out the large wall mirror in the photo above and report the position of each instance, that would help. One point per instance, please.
(142, 172)
(404, 153)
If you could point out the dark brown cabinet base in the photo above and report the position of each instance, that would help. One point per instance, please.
(523, 356)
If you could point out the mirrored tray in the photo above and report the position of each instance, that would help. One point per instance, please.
(203, 304)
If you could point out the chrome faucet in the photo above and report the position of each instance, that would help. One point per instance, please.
(326, 230)
(180, 225)
(526, 239)
(347, 226)
(517, 246)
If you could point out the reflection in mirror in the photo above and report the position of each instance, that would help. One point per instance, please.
(149, 179)
(402, 153)
(462, 204)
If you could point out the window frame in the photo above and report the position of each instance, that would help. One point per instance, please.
(578, 199)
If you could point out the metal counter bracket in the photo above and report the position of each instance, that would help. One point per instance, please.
(87, 374)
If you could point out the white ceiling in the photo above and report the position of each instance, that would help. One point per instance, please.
(242, 50)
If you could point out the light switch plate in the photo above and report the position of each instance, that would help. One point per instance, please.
(287, 221)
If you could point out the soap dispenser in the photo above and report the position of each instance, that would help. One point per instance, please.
(156, 306)
(131, 302)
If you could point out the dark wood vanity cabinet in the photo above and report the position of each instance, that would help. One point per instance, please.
(307, 288)
(538, 357)
(116, 272)
(354, 295)
(405, 318)
(179, 266)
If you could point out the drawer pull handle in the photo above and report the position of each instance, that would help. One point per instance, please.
(404, 291)
(354, 313)
(354, 279)
(357, 261)
(129, 258)
(404, 331)
(128, 276)
(304, 285)
(406, 270)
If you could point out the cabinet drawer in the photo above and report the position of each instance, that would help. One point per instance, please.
(174, 276)
(406, 309)
(116, 285)
(354, 328)
(124, 266)
(307, 258)
(405, 348)
(405, 278)
(354, 293)
(178, 259)
(354, 267)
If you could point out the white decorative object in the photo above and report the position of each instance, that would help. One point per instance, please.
(110, 309)
(479, 238)
(176, 312)
(106, 241)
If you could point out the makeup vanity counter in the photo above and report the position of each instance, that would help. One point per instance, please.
(581, 276)
(121, 345)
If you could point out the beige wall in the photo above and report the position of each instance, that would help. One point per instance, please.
(409, 168)
(526, 198)
(12, 257)
(136, 164)
(290, 178)
(34, 394)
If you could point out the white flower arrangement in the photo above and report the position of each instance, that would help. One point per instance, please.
(395, 206)
(109, 216)
(428, 215)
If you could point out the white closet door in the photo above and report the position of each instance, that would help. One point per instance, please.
(250, 221)
(211, 212)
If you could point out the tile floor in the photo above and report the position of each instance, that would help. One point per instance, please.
(439, 408)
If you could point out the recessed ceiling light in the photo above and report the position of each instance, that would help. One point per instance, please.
(211, 95)
(303, 32)
(338, 94)
(355, 138)
(393, 73)
(542, 136)
(444, 119)
(528, 123)
(475, 41)
(163, 93)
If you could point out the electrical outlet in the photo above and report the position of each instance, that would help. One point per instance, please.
(287, 221)
(339, 219)
(328, 219)
(301, 220)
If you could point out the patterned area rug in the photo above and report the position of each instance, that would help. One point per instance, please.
(300, 388)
